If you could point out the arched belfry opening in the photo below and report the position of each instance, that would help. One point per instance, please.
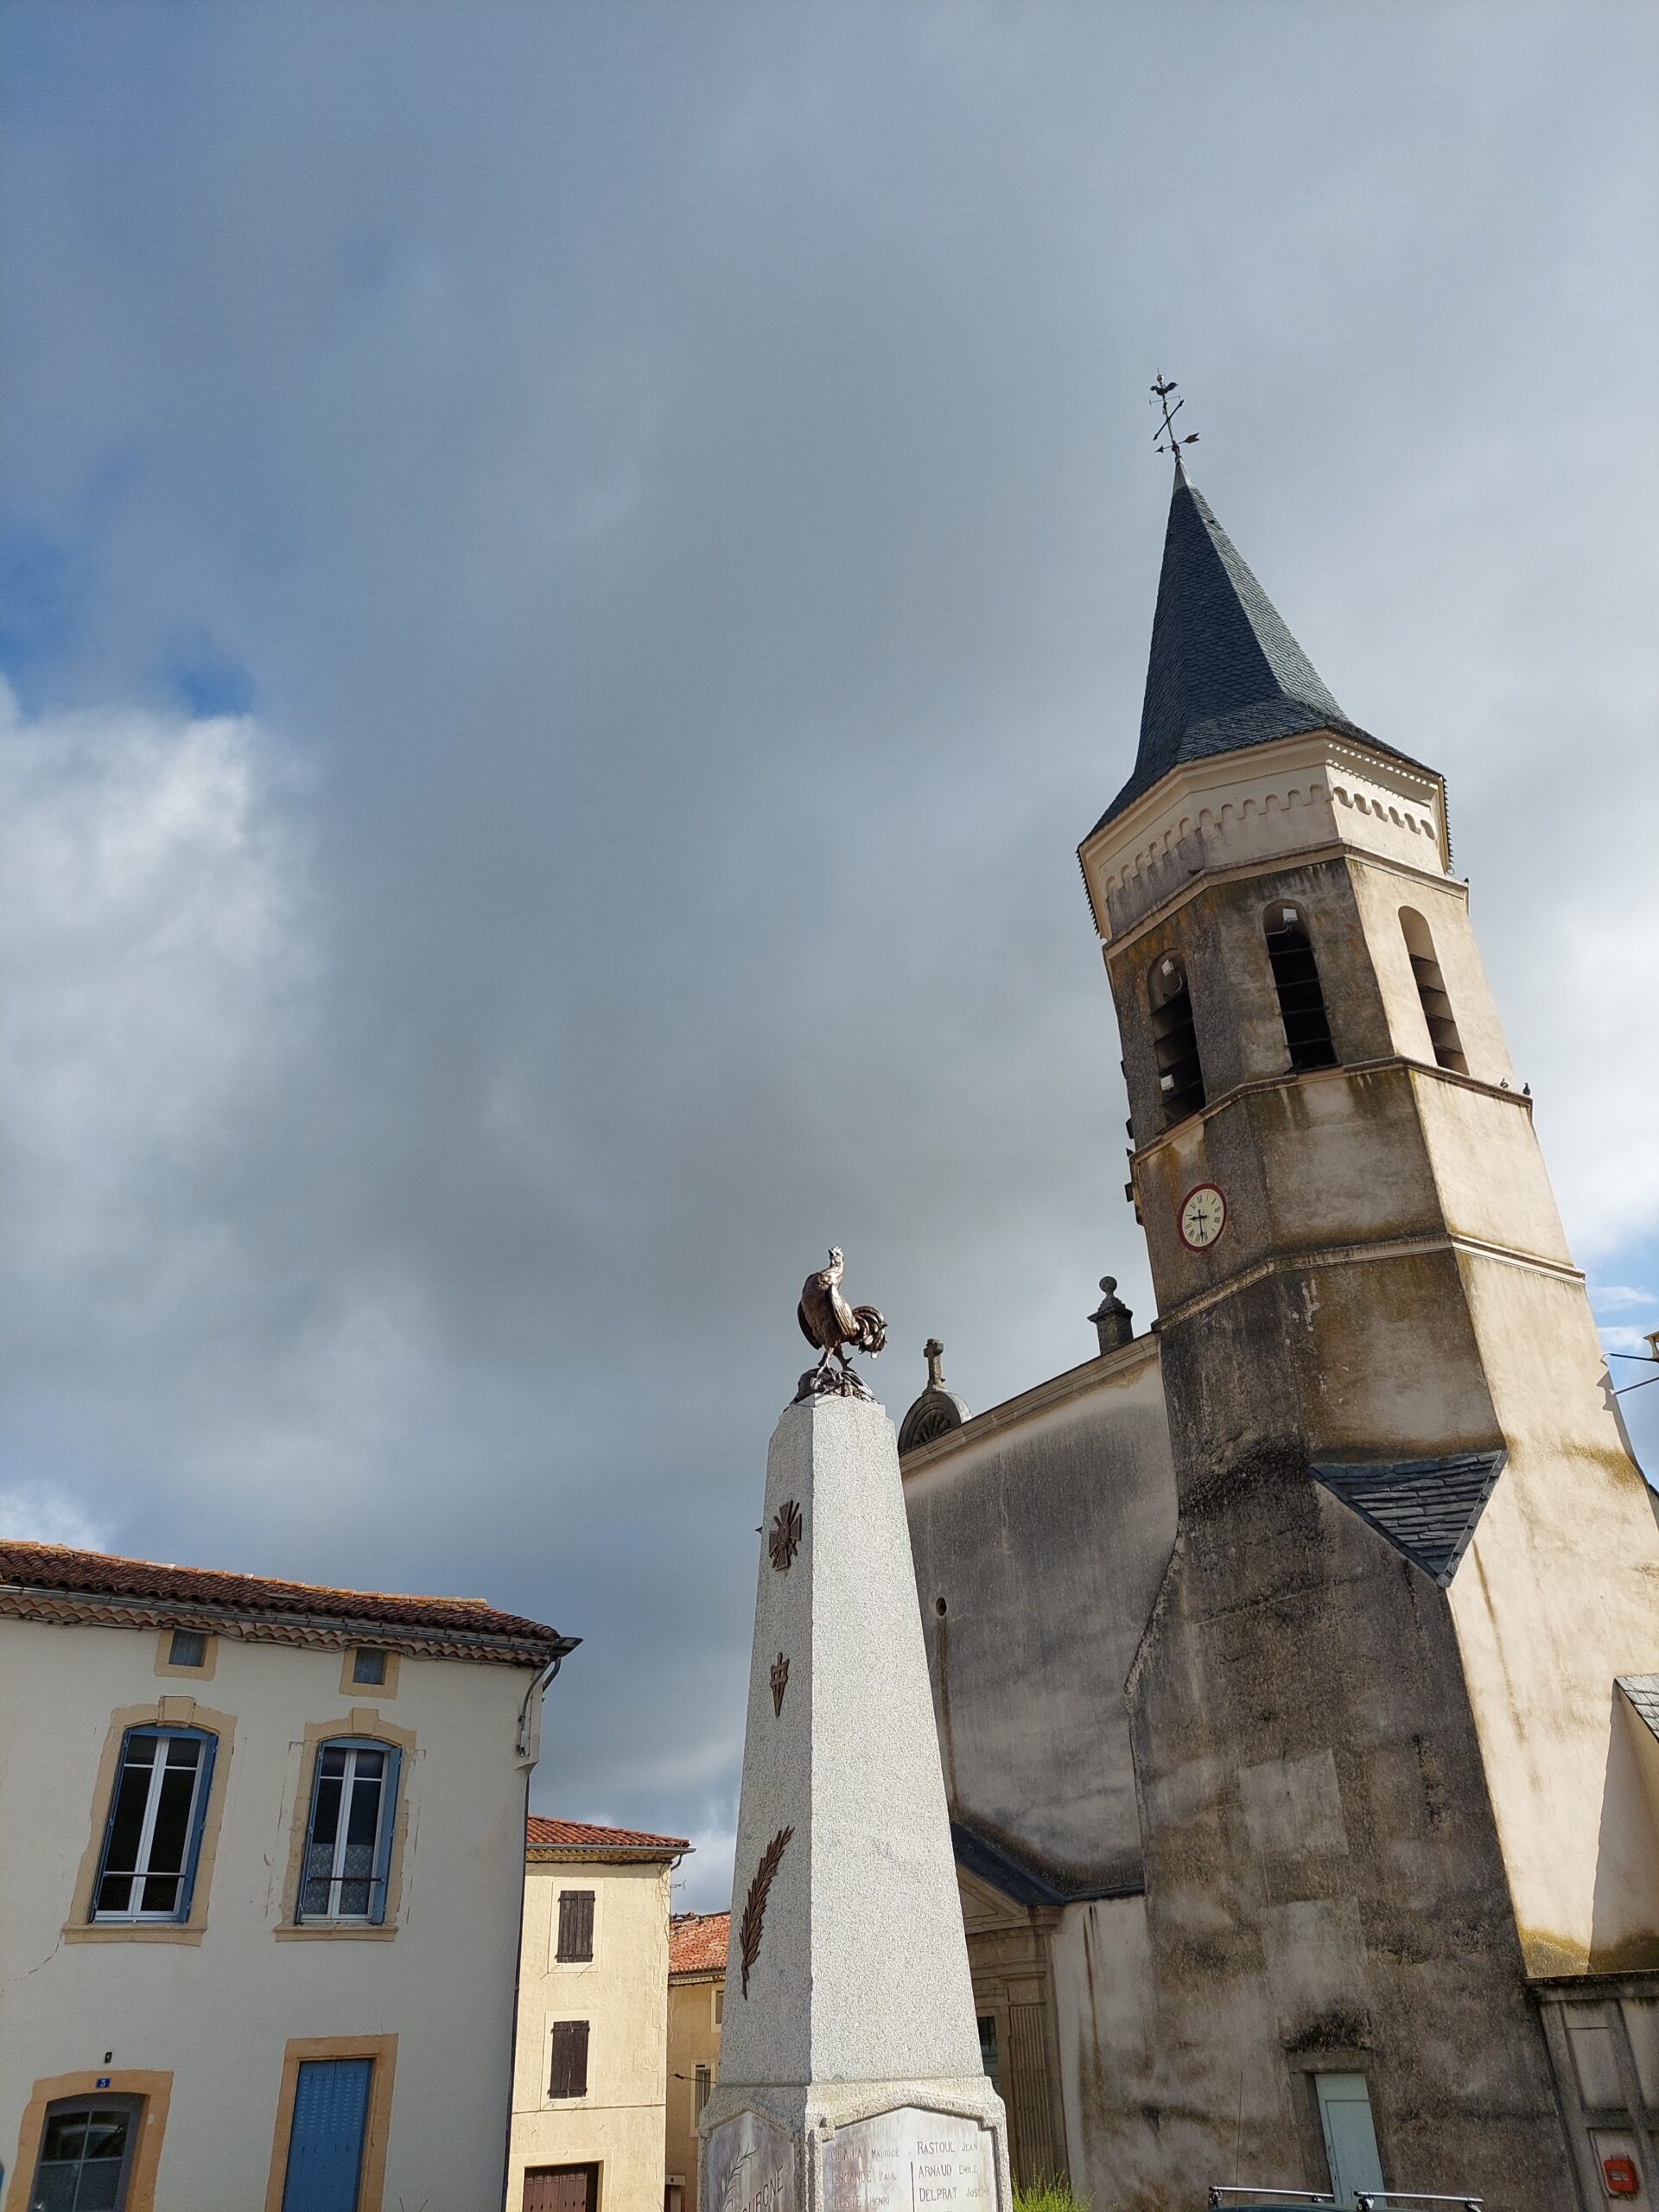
(1430, 989)
(1175, 1040)
(1296, 980)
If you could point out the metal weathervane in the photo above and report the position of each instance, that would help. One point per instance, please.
(1161, 392)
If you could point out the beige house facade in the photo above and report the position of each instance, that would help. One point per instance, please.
(1296, 1663)
(260, 1870)
(697, 2010)
(590, 2079)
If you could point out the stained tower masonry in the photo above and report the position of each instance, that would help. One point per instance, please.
(1406, 1825)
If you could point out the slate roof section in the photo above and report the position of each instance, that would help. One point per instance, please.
(576, 1840)
(1426, 1509)
(52, 1582)
(1020, 1881)
(697, 1943)
(1224, 672)
(1642, 1691)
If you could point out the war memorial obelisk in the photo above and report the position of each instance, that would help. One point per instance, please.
(850, 2077)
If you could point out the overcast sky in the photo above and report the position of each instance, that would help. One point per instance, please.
(573, 576)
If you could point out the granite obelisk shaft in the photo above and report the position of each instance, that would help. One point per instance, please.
(847, 1994)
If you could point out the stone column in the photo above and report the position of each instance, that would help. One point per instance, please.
(851, 2078)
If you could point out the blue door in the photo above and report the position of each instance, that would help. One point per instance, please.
(325, 2150)
(1350, 2138)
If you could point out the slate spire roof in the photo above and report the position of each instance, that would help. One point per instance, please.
(1224, 671)
(1426, 1509)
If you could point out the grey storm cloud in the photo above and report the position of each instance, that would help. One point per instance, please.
(577, 575)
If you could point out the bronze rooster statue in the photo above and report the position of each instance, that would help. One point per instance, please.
(831, 1324)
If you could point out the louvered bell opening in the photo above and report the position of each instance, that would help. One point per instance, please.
(1301, 1001)
(1437, 1013)
(1175, 1046)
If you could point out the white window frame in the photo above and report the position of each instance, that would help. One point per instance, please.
(143, 1916)
(379, 1876)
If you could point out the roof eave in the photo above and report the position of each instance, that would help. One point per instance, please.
(442, 1638)
(601, 1854)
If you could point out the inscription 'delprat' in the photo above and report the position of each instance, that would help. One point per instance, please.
(910, 2161)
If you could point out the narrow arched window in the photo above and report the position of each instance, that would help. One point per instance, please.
(1175, 1041)
(1296, 979)
(1430, 989)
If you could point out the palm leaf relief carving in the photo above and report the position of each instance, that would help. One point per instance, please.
(755, 1911)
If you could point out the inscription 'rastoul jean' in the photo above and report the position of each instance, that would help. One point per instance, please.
(909, 2161)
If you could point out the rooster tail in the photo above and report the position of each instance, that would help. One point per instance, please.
(872, 1329)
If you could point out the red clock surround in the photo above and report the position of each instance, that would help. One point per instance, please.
(1201, 1190)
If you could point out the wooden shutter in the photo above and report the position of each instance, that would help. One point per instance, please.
(560, 2189)
(569, 2075)
(576, 1924)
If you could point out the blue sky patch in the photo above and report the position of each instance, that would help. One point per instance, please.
(45, 584)
(208, 680)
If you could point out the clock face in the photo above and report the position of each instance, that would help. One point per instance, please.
(1203, 1217)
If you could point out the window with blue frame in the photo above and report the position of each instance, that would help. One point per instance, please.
(153, 1838)
(347, 1860)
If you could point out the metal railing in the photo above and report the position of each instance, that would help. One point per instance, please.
(1365, 2200)
(1291, 2198)
(1379, 2200)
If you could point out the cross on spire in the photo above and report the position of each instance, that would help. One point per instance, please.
(1161, 392)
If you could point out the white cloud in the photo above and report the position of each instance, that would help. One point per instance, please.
(153, 928)
(41, 1513)
(1575, 1003)
(1619, 1339)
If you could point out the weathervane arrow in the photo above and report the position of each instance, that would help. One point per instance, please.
(1161, 391)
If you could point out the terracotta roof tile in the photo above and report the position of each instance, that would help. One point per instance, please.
(583, 1835)
(698, 1940)
(130, 1587)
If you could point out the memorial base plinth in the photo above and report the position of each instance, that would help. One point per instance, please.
(856, 2146)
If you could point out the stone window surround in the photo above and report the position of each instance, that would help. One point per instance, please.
(361, 1721)
(155, 2088)
(161, 1713)
(349, 1689)
(204, 1673)
(1304, 2068)
(382, 2051)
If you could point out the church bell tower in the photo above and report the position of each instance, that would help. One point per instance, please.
(1415, 1556)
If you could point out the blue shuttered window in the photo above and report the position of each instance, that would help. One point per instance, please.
(348, 1834)
(324, 2146)
(152, 1840)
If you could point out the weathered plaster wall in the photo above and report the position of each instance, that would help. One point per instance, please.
(1324, 1885)
(1559, 1595)
(442, 1983)
(622, 1993)
(1043, 1529)
(693, 2040)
